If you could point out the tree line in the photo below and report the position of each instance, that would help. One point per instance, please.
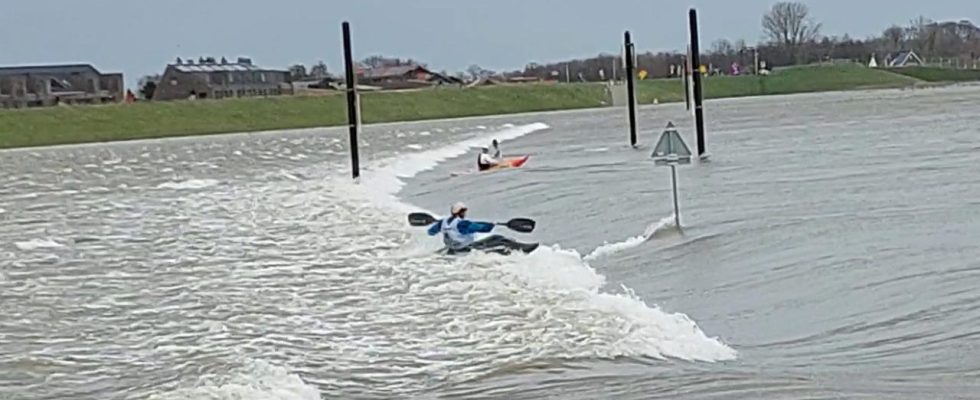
(792, 37)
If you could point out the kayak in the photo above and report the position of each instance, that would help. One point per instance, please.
(511, 162)
(495, 244)
(506, 163)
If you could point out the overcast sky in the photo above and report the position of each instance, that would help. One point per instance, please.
(139, 37)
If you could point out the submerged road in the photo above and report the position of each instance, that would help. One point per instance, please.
(829, 250)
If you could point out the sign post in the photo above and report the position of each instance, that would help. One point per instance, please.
(671, 151)
(630, 91)
(353, 103)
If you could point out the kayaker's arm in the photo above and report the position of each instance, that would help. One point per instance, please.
(435, 228)
(468, 227)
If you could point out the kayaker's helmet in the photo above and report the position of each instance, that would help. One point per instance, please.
(458, 208)
(495, 143)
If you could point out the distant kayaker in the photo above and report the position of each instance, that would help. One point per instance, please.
(484, 161)
(458, 232)
(496, 150)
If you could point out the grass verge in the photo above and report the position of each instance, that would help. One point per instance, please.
(63, 125)
(930, 74)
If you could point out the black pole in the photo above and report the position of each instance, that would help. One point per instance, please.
(630, 96)
(352, 110)
(685, 69)
(696, 73)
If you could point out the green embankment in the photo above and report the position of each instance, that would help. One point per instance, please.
(60, 125)
(930, 74)
(785, 81)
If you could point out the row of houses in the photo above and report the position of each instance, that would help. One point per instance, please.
(33, 86)
(48, 85)
(37, 86)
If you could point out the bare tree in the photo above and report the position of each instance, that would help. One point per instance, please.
(319, 70)
(478, 72)
(788, 25)
(723, 47)
(378, 61)
(297, 72)
(895, 37)
(148, 85)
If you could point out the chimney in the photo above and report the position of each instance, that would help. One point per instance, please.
(224, 61)
(179, 61)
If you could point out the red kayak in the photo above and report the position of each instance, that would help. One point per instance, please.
(512, 162)
(506, 163)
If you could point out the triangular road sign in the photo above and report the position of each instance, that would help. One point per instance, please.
(671, 148)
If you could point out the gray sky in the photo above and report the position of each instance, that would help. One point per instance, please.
(139, 37)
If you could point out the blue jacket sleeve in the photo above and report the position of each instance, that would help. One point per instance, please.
(469, 227)
(434, 229)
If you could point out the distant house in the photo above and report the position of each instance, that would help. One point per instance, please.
(220, 79)
(904, 59)
(47, 85)
(402, 77)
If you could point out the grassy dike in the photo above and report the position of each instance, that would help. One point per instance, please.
(939, 74)
(62, 125)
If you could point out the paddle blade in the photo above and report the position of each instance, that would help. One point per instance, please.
(524, 225)
(420, 219)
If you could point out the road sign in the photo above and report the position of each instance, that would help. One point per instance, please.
(671, 149)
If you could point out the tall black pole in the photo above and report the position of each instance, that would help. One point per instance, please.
(685, 69)
(352, 110)
(630, 96)
(696, 73)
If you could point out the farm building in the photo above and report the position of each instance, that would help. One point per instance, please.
(402, 77)
(217, 80)
(48, 85)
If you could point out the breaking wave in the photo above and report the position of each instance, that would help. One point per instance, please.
(257, 380)
(608, 249)
(557, 287)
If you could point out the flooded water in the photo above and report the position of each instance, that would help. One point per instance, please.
(828, 250)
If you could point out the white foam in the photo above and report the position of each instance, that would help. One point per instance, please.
(289, 176)
(611, 248)
(558, 285)
(632, 327)
(414, 147)
(35, 244)
(257, 381)
(597, 150)
(425, 133)
(384, 178)
(188, 184)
